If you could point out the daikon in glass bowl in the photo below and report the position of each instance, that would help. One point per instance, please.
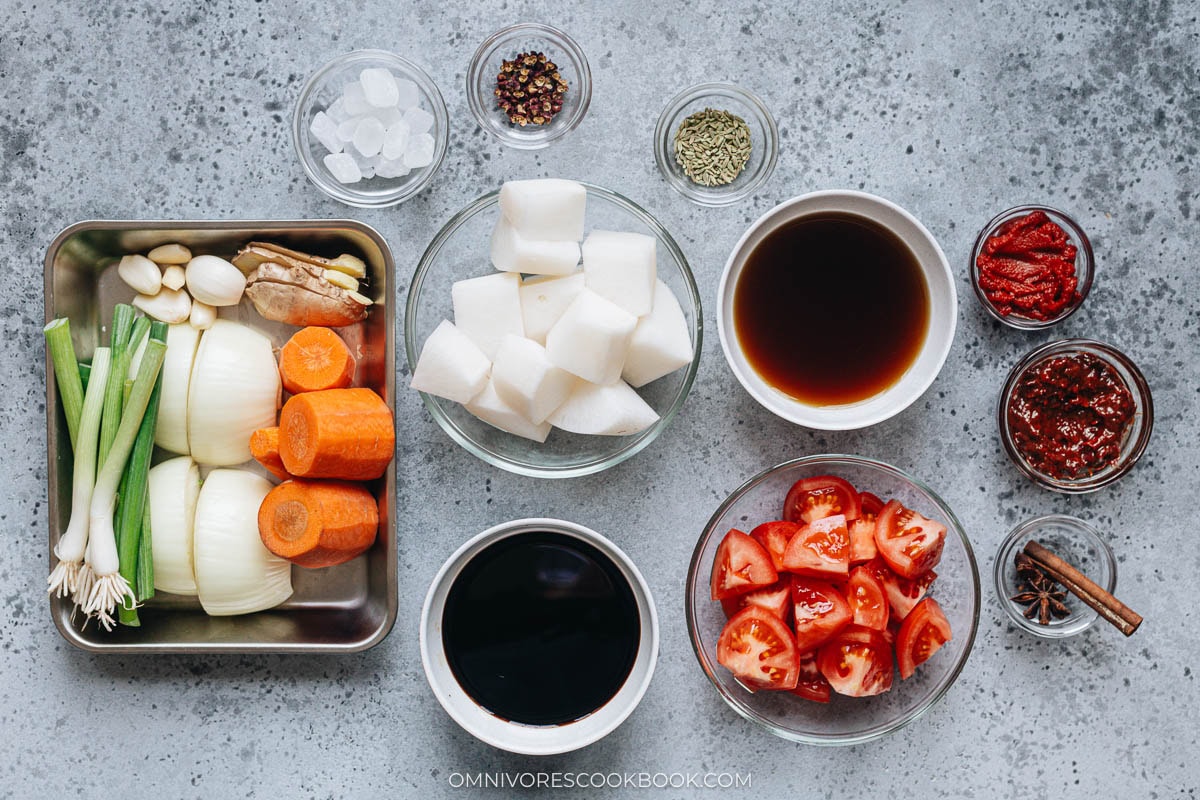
(844, 720)
(460, 250)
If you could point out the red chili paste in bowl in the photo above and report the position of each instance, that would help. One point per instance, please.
(1026, 268)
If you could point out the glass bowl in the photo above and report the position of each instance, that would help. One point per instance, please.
(460, 250)
(325, 86)
(1072, 540)
(1084, 266)
(845, 720)
(764, 141)
(503, 45)
(1136, 437)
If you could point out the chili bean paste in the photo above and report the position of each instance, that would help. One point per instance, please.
(1027, 268)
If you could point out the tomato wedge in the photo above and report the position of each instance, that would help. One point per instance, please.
(812, 684)
(902, 594)
(776, 598)
(923, 633)
(774, 536)
(867, 599)
(820, 549)
(907, 541)
(857, 662)
(810, 499)
(819, 611)
(862, 530)
(741, 565)
(757, 647)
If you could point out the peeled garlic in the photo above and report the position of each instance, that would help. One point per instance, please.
(169, 305)
(141, 274)
(170, 254)
(215, 281)
(203, 315)
(173, 277)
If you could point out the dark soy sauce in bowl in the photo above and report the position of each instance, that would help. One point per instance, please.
(541, 628)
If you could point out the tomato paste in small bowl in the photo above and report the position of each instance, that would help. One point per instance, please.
(1031, 267)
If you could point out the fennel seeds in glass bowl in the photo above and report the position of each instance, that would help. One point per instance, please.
(712, 146)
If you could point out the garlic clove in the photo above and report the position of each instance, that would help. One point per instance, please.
(203, 315)
(173, 277)
(168, 305)
(170, 254)
(215, 281)
(140, 274)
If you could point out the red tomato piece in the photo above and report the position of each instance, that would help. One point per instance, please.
(812, 684)
(757, 647)
(862, 530)
(819, 611)
(857, 662)
(907, 541)
(867, 599)
(776, 598)
(774, 536)
(902, 593)
(923, 633)
(741, 565)
(810, 499)
(820, 549)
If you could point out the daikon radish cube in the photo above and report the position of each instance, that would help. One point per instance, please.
(612, 409)
(590, 338)
(490, 408)
(488, 308)
(512, 252)
(547, 209)
(526, 380)
(451, 365)
(544, 299)
(661, 342)
(621, 267)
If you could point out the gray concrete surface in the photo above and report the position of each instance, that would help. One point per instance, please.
(181, 110)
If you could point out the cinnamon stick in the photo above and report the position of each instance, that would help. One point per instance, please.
(1110, 608)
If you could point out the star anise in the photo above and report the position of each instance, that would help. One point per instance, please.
(1039, 593)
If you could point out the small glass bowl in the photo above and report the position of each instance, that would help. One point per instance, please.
(508, 42)
(1084, 266)
(325, 86)
(1136, 438)
(1075, 542)
(764, 141)
(844, 720)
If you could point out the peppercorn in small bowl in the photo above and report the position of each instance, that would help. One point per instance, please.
(1075, 415)
(1031, 267)
(1032, 600)
(529, 85)
(716, 143)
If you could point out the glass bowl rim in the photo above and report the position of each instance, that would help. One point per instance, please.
(594, 465)
(1085, 268)
(714, 196)
(339, 191)
(876, 731)
(1139, 435)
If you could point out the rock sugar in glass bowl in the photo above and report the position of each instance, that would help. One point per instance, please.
(568, 104)
(844, 720)
(394, 130)
(1075, 415)
(1031, 267)
(703, 150)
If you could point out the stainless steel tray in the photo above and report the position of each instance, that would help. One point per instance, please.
(341, 609)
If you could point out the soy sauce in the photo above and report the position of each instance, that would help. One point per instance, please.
(831, 309)
(541, 628)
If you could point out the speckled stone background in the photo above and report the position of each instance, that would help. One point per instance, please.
(181, 110)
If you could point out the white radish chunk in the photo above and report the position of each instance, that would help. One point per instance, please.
(591, 338)
(490, 408)
(488, 308)
(512, 252)
(526, 380)
(621, 267)
(661, 342)
(451, 365)
(546, 209)
(604, 410)
(544, 299)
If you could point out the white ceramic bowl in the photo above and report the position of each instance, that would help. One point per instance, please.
(943, 311)
(540, 740)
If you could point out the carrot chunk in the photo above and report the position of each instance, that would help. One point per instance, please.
(347, 434)
(318, 523)
(315, 359)
(264, 446)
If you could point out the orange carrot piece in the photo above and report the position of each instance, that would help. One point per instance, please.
(264, 446)
(315, 359)
(318, 523)
(347, 434)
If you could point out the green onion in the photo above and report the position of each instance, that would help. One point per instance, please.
(122, 322)
(66, 373)
(145, 568)
(85, 372)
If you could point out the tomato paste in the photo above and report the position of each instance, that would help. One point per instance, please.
(1068, 415)
(1027, 268)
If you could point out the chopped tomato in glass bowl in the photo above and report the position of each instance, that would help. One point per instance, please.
(848, 606)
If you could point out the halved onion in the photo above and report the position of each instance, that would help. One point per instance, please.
(174, 486)
(170, 432)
